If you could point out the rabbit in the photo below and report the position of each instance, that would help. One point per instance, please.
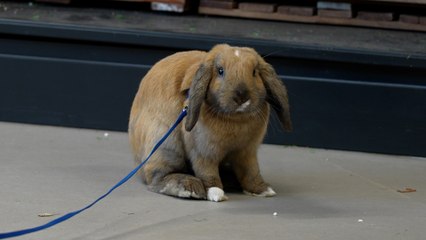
(229, 92)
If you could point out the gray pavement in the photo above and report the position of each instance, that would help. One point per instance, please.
(322, 194)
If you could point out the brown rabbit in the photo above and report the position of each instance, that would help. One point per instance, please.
(229, 91)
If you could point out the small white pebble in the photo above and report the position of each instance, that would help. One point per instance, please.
(106, 135)
(360, 220)
(275, 214)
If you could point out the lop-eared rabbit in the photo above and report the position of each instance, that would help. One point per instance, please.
(229, 92)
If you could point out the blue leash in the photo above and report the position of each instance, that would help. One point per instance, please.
(121, 182)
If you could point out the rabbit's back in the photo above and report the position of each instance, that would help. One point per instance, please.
(160, 98)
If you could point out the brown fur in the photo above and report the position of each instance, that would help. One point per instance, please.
(218, 127)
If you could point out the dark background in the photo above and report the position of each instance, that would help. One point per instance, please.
(349, 88)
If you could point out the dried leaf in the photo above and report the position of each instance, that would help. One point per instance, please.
(407, 190)
(47, 214)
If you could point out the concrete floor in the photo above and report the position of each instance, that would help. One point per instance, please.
(322, 194)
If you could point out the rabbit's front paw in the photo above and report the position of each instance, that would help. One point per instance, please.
(216, 194)
(181, 185)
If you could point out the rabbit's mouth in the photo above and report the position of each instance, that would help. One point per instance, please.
(243, 107)
(226, 106)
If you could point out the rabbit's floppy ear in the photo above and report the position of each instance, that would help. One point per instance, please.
(276, 94)
(197, 94)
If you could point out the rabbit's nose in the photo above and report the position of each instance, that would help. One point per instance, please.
(241, 95)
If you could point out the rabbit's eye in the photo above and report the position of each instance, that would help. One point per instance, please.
(254, 72)
(220, 71)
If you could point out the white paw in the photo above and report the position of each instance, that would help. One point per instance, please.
(268, 193)
(216, 194)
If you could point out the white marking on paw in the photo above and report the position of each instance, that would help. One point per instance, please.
(268, 193)
(184, 193)
(216, 194)
(243, 106)
(179, 191)
(167, 188)
(237, 53)
(194, 195)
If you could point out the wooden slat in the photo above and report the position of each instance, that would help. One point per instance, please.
(168, 7)
(178, 6)
(55, 1)
(334, 13)
(257, 7)
(295, 10)
(219, 4)
(316, 19)
(401, 1)
(375, 16)
(334, 5)
(409, 19)
(163, 1)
